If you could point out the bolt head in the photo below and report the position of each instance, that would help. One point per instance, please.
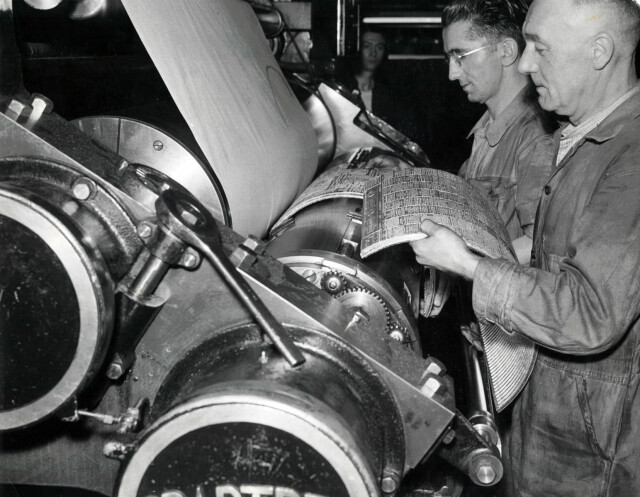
(144, 230)
(486, 474)
(397, 335)
(309, 275)
(449, 437)
(435, 366)
(83, 189)
(115, 371)
(158, 145)
(42, 102)
(189, 260)
(431, 386)
(389, 484)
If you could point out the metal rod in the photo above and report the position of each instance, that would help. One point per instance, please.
(262, 315)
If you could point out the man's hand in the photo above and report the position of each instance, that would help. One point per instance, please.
(443, 249)
(386, 163)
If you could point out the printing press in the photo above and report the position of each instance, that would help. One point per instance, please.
(172, 325)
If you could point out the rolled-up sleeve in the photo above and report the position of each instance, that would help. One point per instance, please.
(594, 297)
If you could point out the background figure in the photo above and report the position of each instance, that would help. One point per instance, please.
(366, 78)
(574, 426)
(372, 52)
(512, 152)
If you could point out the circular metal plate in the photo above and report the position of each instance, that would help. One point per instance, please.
(53, 311)
(142, 143)
(246, 442)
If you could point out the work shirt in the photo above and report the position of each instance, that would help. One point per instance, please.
(511, 159)
(574, 428)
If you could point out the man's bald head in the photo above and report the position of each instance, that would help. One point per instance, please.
(620, 17)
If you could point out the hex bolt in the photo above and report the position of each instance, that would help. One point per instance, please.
(83, 188)
(158, 145)
(253, 243)
(432, 385)
(189, 259)
(435, 366)
(39, 105)
(389, 482)
(115, 371)
(485, 469)
(449, 436)
(486, 474)
(16, 109)
(189, 218)
(145, 230)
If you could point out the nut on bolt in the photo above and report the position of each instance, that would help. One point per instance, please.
(40, 105)
(390, 482)
(485, 469)
(145, 229)
(449, 436)
(190, 258)
(486, 474)
(115, 370)
(254, 244)
(435, 366)
(17, 109)
(432, 385)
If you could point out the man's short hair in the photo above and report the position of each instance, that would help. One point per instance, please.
(626, 14)
(493, 19)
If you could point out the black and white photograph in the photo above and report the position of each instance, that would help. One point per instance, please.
(319, 248)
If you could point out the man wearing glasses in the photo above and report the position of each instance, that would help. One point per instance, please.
(511, 157)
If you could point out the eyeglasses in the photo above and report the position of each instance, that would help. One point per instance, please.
(457, 57)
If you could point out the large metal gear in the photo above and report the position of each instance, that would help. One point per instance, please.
(333, 282)
(368, 305)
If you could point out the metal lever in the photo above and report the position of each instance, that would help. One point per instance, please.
(193, 224)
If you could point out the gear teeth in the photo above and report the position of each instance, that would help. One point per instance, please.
(380, 306)
(397, 332)
(361, 289)
(333, 282)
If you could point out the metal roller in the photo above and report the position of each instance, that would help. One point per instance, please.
(143, 143)
(232, 417)
(57, 309)
(480, 407)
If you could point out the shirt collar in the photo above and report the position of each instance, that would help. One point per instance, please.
(495, 130)
(618, 117)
